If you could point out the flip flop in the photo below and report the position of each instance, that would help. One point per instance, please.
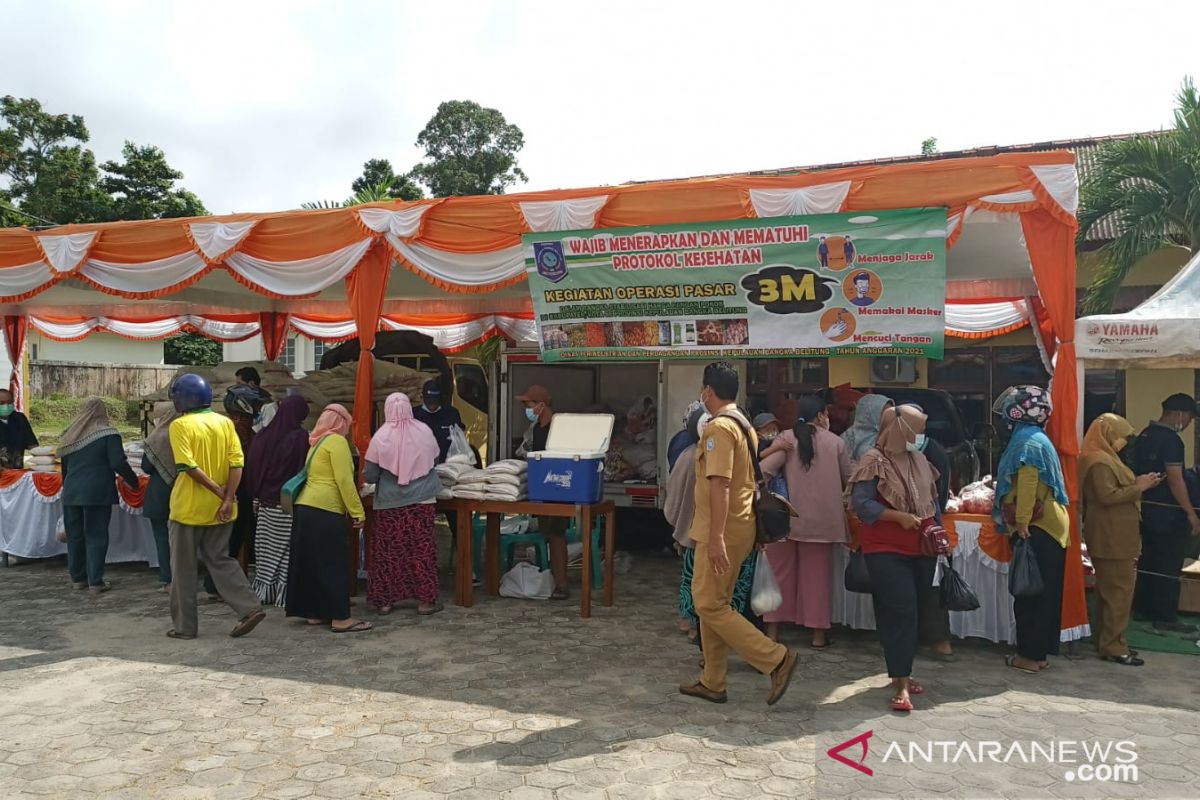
(826, 646)
(560, 594)
(361, 625)
(1010, 661)
(901, 704)
(914, 687)
(431, 611)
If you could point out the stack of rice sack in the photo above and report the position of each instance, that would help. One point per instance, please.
(507, 480)
(449, 474)
(42, 459)
(133, 454)
(471, 485)
(336, 385)
(275, 379)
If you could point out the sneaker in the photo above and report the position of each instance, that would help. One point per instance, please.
(698, 689)
(781, 677)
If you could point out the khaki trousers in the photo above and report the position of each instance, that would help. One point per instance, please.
(1115, 581)
(208, 544)
(722, 628)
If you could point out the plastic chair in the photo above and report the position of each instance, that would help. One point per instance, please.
(508, 541)
(597, 549)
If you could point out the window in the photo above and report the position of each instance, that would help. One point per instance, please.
(472, 386)
(319, 349)
(773, 384)
(288, 356)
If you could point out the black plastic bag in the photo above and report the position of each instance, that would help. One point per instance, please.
(956, 593)
(1024, 576)
(858, 578)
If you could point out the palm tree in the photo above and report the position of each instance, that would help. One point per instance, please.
(1149, 187)
(379, 193)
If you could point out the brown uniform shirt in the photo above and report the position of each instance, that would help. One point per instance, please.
(722, 452)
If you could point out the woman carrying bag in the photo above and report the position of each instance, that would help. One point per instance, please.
(1031, 505)
(894, 493)
(1112, 499)
(318, 588)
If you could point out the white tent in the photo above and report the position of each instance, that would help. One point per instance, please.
(1162, 333)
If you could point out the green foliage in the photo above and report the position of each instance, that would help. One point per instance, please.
(61, 408)
(54, 179)
(1149, 188)
(378, 172)
(192, 349)
(488, 352)
(929, 147)
(469, 150)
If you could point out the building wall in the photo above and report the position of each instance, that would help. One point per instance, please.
(99, 348)
(856, 371)
(305, 352)
(1145, 389)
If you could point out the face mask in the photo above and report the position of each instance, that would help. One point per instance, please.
(768, 437)
(531, 415)
(912, 447)
(919, 444)
(6, 410)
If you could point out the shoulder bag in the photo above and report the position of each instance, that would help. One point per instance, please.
(295, 485)
(772, 512)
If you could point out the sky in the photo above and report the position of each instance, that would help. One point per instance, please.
(265, 105)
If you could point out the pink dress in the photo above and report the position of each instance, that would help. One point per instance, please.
(803, 563)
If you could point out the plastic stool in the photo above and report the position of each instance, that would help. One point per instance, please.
(510, 540)
(597, 550)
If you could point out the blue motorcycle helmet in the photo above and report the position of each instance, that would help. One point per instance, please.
(190, 393)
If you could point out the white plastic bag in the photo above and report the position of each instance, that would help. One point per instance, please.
(60, 531)
(765, 596)
(459, 446)
(526, 581)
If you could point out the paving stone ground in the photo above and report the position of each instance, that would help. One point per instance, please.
(525, 701)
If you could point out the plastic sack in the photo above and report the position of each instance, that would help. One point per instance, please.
(460, 447)
(60, 531)
(857, 577)
(525, 581)
(1024, 575)
(765, 596)
(955, 593)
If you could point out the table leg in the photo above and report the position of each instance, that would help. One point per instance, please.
(583, 523)
(464, 567)
(610, 542)
(491, 554)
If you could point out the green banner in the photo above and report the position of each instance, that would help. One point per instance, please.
(833, 284)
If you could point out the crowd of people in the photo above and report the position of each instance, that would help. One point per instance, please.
(893, 478)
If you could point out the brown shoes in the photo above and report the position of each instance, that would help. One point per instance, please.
(781, 677)
(248, 623)
(698, 689)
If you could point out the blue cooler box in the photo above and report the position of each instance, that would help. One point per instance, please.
(571, 468)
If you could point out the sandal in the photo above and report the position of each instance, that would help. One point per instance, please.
(248, 623)
(174, 634)
(560, 594)
(383, 611)
(433, 609)
(914, 687)
(361, 625)
(314, 622)
(901, 704)
(827, 645)
(1011, 661)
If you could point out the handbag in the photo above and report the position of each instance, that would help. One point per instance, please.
(772, 513)
(1024, 575)
(955, 594)
(857, 577)
(932, 538)
(295, 485)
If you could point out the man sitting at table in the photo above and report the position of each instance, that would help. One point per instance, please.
(539, 410)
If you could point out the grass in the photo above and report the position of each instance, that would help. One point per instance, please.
(50, 416)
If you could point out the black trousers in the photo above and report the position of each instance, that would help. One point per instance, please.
(1039, 618)
(87, 542)
(899, 585)
(1164, 548)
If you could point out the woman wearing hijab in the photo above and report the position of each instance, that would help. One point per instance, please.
(860, 437)
(1112, 499)
(91, 455)
(158, 462)
(400, 462)
(1029, 480)
(894, 493)
(317, 585)
(816, 466)
(278, 454)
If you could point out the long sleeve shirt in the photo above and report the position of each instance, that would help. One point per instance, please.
(89, 474)
(331, 485)
(1028, 490)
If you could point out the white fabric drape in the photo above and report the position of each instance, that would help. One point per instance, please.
(315, 329)
(16, 281)
(1062, 182)
(404, 224)
(1010, 198)
(985, 317)
(824, 198)
(64, 252)
(522, 331)
(563, 215)
(146, 277)
(463, 269)
(302, 277)
(225, 331)
(144, 329)
(215, 239)
(63, 331)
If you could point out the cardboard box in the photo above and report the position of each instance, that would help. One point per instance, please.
(1189, 591)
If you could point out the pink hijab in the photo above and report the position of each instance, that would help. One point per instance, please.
(404, 446)
(334, 419)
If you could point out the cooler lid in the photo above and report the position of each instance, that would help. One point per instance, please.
(580, 433)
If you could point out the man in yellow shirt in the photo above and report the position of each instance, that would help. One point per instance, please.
(209, 459)
(724, 531)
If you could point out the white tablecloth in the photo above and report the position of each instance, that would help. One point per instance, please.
(993, 620)
(28, 521)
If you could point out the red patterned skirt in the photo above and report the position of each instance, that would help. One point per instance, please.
(404, 557)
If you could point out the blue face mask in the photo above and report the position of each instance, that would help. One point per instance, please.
(531, 415)
(919, 445)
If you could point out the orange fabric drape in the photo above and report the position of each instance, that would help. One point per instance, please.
(15, 329)
(366, 287)
(134, 498)
(1051, 245)
(10, 476)
(48, 484)
(274, 328)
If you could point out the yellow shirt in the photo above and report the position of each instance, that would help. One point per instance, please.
(1029, 488)
(206, 441)
(722, 452)
(331, 485)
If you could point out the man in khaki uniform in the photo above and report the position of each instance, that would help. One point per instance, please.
(724, 531)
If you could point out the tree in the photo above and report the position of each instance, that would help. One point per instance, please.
(52, 177)
(192, 349)
(469, 149)
(929, 147)
(1149, 188)
(378, 171)
(144, 186)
